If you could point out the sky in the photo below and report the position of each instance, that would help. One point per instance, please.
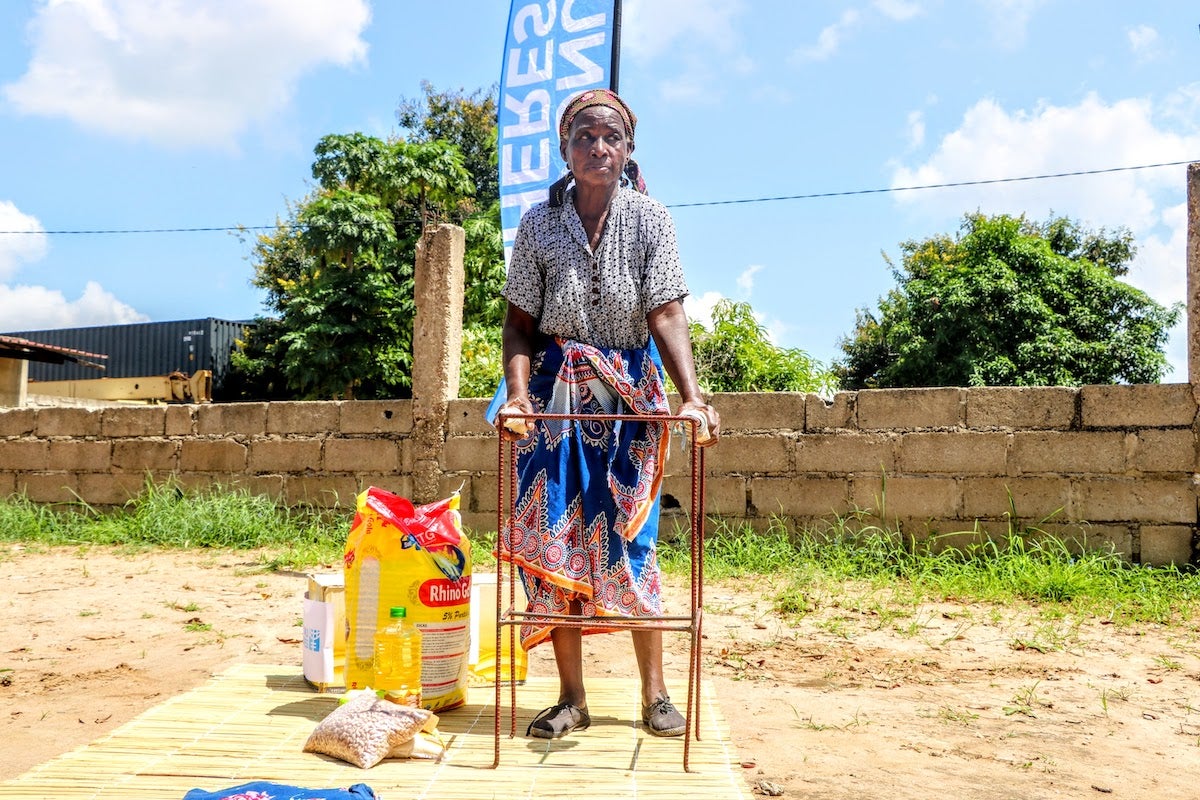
(124, 115)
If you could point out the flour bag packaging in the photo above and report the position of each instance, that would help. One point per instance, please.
(417, 557)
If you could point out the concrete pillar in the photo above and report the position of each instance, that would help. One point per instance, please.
(1193, 277)
(437, 350)
(14, 380)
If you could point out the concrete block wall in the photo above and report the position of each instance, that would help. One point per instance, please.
(1095, 465)
(1105, 464)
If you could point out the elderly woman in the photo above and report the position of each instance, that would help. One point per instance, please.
(595, 311)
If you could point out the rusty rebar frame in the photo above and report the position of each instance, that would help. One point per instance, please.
(510, 618)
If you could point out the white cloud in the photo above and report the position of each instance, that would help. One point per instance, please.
(994, 143)
(745, 281)
(899, 10)
(699, 309)
(916, 129)
(650, 28)
(1010, 19)
(180, 73)
(1143, 42)
(26, 244)
(37, 308)
(829, 39)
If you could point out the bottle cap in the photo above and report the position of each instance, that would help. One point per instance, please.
(398, 611)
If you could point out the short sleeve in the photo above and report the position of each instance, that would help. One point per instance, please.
(663, 279)
(525, 286)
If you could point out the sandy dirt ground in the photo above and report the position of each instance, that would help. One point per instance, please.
(852, 700)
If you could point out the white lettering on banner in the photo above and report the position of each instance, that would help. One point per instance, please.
(538, 98)
(591, 72)
(527, 173)
(533, 11)
(572, 25)
(534, 75)
(549, 56)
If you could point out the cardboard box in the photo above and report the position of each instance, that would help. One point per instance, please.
(325, 631)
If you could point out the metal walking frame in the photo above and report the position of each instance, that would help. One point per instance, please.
(511, 618)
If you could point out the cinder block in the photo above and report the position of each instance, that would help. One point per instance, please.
(8, 484)
(68, 422)
(140, 455)
(1138, 406)
(18, 421)
(322, 491)
(284, 455)
(362, 455)
(1033, 499)
(1137, 500)
(759, 411)
(75, 455)
(303, 417)
(1169, 450)
(1085, 536)
(470, 454)
(907, 497)
(449, 484)
(749, 455)
(799, 497)
(1167, 544)
(843, 453)
(722, 496)
(226, 419)
(482, 492)
(841, 412)
(376, 416)
(958, 453)
(181, 420)
(910, 409)
(1067, 452)
(119, 422)
(24, 454)
(109, 489)
(1032, 407)
(477, 523)
(265, 486)
(468, 416)
(212, 455)
(48, 487)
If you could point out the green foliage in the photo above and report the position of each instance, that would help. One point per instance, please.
(737, 356)
(1010, 303)
(482, 362)
(338, 272)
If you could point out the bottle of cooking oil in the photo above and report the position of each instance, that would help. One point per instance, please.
(398, 660)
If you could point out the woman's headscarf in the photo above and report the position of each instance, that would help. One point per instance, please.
(588, 99)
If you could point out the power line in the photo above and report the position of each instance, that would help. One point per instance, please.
(928, 186)
(813, 196)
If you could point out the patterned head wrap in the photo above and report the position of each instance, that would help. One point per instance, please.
(595, 97)
(588, 99)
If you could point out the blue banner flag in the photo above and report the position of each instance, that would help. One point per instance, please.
(554, 49)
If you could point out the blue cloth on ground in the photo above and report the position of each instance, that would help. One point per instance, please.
(263, 790)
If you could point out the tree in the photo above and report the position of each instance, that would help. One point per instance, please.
(338, 270)
(1009, 302)
(737, 356)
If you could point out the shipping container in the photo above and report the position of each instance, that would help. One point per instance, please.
(143, 349)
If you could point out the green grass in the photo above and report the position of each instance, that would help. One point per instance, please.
(846, 563)
(1026, 566)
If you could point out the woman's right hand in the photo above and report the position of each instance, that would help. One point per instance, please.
(514, 427)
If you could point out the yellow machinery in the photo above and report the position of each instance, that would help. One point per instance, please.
(174, 388)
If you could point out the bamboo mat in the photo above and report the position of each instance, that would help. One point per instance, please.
(251, 722)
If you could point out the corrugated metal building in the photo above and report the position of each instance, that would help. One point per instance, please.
(143, 349)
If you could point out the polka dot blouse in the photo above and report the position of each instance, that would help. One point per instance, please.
(599, 298)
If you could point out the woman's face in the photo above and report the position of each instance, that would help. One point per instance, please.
(597, 147)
